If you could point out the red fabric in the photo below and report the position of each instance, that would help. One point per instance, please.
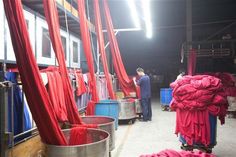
(173, 153)
(87, 48)
(56, 94)
(102, 48)
(192, 62)
(36, 93)
(80, 84)
(90, 110)
(194, 97)
(126, 84)
(51, 14)
(79, 136)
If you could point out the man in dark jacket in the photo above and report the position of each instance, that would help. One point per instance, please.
(145, 88)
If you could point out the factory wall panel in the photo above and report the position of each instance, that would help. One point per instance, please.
(75, 51)
(2, 51)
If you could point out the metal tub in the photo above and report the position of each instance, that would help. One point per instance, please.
(127, 109)
(104, 123)
(98, 148)
(138, 106)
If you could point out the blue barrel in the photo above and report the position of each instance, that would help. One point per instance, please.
(108, 108)
(213, 131)
(166, 96)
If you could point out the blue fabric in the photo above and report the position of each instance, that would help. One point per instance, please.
(17, 109)
(145, 86)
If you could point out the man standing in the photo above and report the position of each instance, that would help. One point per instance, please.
(145, 88)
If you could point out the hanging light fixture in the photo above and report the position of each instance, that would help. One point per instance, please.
(147, 16)
(134, 13)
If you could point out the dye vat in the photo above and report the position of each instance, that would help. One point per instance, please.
(127, 109)
(98, 146)
(104, 123)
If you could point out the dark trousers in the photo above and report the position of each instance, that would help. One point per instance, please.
(146, 108)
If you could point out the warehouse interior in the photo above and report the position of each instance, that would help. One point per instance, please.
(117, 78)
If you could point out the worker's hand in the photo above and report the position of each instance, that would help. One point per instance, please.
(134, 79)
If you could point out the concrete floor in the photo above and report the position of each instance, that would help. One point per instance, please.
(152, 137)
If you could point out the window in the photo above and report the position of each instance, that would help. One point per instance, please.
(63, 40)
(75, 52)
(46, 43)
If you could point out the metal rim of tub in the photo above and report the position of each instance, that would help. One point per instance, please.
(89, 144)
(103, 124)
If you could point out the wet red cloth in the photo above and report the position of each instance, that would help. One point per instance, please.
(192, 58)
(79, 136)
(36, 93)
(127, 84)
(173, 153)
(102, 48)
(51, 14)
(80, 84)
(90, 110)
(87, 48)
(56, 94)
(194, 97)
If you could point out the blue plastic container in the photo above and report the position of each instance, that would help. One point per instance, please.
(213, 131)
(108, 108)
(166, 96)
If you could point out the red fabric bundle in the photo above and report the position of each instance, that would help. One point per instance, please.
(36, 93)
(87, 48)
(79, 136)
(56, 93)
(192, 59)
(80, 84)
(51, 14)
(102, 48)
(127, 84)
(90, 110)
(194, 97)
(173, 153)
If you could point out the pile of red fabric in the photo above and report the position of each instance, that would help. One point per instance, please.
(173, 153)
(228, 81)
(194, 98)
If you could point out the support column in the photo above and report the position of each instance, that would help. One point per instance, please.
(189, 23)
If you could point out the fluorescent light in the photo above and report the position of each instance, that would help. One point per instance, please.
(147, 17)
(134, 13)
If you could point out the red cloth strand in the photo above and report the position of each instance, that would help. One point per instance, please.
(173, 153)
(80, 84)
(87, 48)
(102, 48)
(36, 93)
(51, 14)
(79, 136)
(194, 97)
(192, 62)
(90, 110)
(126, 83)
(56, 93)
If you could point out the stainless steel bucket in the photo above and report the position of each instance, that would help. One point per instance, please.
(127, 109)
(104, 123)
(98, 148)
(138, 106)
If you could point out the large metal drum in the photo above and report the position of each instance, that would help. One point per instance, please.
(138, 106)
(104, 123)
(127, 109)
(98, 148)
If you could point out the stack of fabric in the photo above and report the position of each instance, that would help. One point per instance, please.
(194, 98)
(173, 153)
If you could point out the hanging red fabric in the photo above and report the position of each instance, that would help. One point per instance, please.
(126, 84)
(192, 58)
(36, 93)
(102, 48)
(87, 47)
(56, 93)
(80, 84)
(51, 14)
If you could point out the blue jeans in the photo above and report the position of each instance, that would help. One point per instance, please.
(147, 109)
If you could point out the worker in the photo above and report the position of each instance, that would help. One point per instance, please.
(145, 88)
(181, 74)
